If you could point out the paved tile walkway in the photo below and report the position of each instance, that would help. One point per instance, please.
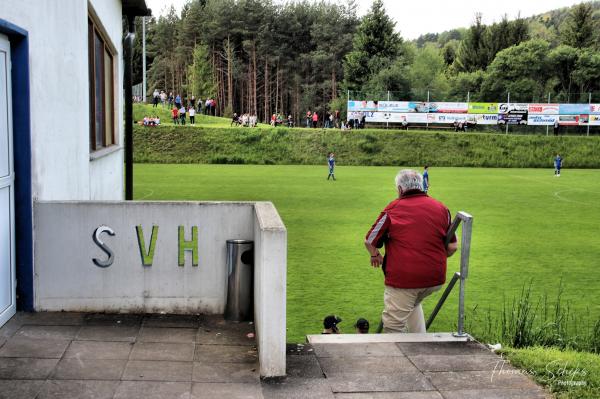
(74, 355)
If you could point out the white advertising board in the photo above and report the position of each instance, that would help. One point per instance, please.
(595, 120)
(395, 117)
(541, 120)
(543, 109)
(448, 108)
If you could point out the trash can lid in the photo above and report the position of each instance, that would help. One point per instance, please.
(240, 242)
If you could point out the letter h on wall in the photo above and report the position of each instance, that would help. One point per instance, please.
(188, 246)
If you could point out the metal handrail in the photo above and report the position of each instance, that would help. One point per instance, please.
(442, 300)
(465, 251)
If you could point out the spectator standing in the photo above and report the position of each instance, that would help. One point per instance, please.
(192, 112)
(337, 118)
(170, 99)
(213, 106)
(308, 118)
(182, 115)
(556, 126)
(207, 106)
(155, 98)
(426, 179)
(413, 229)
(175, 115)
(178, 101)
(193, 102)
(315, 119)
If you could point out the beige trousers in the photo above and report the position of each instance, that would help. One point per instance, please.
(402, 309)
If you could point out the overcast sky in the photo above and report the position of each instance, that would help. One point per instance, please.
(416, 17)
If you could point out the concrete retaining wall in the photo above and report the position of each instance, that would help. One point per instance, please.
(74, 273)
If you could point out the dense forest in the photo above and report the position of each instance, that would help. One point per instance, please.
(260, 57)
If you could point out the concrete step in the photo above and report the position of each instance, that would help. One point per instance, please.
(381, 338)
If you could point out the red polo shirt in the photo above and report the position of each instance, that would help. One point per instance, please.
(413, 229)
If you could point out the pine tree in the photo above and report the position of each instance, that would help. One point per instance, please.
(200, 73)
(579, 28)
(471, 55)
(375, 47)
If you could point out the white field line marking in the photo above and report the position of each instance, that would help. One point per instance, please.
(147, 195)
(555, 183)
(558, 196)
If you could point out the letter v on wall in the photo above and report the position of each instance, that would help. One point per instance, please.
(147, 257)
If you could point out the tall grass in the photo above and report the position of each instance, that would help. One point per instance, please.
(525, 321)
(282, 146)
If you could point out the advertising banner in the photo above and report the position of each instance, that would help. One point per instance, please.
(568, 120)
(415, 117)
(477, 119)
(595, 120)
(574, 109)
(595, 109)
(483, 108)
(541, 120)
(513, 108)
(448, 108)
(543, 109)
(362, 106)
(395, 106)
(395, 117)
(446, 118)
(512, 119)
(484, 119)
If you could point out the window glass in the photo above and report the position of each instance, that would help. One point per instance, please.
(108, 99)
(99, 90)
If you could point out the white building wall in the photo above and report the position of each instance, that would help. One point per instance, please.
(59, 97)
(106, 173)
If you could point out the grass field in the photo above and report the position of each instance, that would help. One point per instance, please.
(528, 227)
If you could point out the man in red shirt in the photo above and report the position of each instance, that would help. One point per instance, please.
(413, 229)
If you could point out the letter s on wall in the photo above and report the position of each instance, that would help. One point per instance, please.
(103, 246)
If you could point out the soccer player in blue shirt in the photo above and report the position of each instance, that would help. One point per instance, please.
(426, 179)
(331, 163)
(557, 165)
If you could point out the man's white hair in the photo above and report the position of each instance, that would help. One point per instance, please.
(408, 179)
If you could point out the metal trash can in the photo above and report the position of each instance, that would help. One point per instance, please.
(240, 284)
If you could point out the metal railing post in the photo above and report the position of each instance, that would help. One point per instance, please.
(464, 269)
(442, 300)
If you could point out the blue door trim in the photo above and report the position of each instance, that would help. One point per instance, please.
(19, 50)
